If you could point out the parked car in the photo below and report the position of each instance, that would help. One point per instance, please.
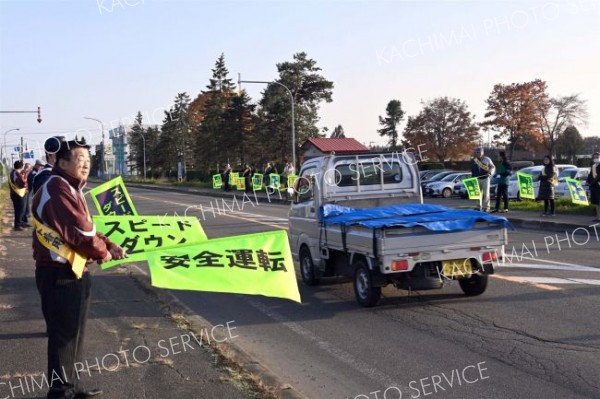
(581, 174)
(426, 174)
(535, 171)
(437, 177)
(460, 190)
(445, 186)
(518, 165)
(494, 186)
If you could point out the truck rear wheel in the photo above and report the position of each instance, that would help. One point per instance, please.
(366, 295)
(474, 285)
(307, 267)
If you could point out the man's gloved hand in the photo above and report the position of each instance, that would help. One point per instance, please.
(118, 252)
(107, 258)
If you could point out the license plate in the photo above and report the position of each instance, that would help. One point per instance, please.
(457, 267)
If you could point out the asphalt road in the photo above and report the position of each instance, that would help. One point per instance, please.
(533, 334)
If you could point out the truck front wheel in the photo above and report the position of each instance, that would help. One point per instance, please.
(474, 285)
(307, 267)
(366, 295)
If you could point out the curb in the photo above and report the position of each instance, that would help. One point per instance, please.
(548, 226)
(235, 354)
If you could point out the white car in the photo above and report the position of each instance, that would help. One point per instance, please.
(445, 187)
(581, 174)
(535, 171)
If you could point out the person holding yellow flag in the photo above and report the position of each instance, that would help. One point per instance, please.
(64, 242)
(482, 168)
(18, 194)
(593, 180)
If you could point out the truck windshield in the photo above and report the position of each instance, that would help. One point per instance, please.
(367, 174)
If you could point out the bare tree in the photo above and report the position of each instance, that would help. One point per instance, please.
(560, 113)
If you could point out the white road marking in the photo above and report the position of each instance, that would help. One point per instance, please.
(553, 280)
(552, 261)
(573, 268)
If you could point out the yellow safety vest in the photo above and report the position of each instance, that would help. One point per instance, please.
(54, 243)
(19, 191)
(481, 164)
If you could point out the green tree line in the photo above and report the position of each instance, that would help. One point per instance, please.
(222, 125)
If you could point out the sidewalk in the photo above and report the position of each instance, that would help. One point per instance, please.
(519, 219)
(138, 343)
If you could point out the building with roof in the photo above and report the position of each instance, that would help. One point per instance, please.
(316, 147)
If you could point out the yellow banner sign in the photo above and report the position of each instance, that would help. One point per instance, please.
(255, 264)
(140, 234)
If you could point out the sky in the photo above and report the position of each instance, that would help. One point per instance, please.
(110, 59)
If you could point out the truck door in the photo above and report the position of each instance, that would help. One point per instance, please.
(303, 212)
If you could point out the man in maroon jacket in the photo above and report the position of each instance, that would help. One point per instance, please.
(18, 194)
(64, 232)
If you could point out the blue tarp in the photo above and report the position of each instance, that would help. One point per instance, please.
(432, 217)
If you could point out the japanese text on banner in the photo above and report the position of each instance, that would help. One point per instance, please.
(256, 264)
(526, 185)
(472, 187)
(139, 234)
(112, 198)
(578, 195)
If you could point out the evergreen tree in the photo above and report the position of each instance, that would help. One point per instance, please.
(152, 165)
(165, 151)
(135, 140)
(308, 89)
(569, 144)
(172, 144)
(394, 115)
(338, 132)
(210, 142)
(239, 128)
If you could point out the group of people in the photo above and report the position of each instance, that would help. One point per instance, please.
(63, 235)
(248, 172)
(483, 168)
(23, 181)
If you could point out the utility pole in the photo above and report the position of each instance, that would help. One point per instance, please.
(21, 150)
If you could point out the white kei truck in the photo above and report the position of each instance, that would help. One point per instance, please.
(363, 216)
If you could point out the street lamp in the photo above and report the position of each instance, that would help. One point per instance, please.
(9, 130)
(240, 81)
(101, 144)
(144, 141)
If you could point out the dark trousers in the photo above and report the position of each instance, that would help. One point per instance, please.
(27, 212)
(65, 304)
(502, 194)
(20, 209)
(549, 202)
